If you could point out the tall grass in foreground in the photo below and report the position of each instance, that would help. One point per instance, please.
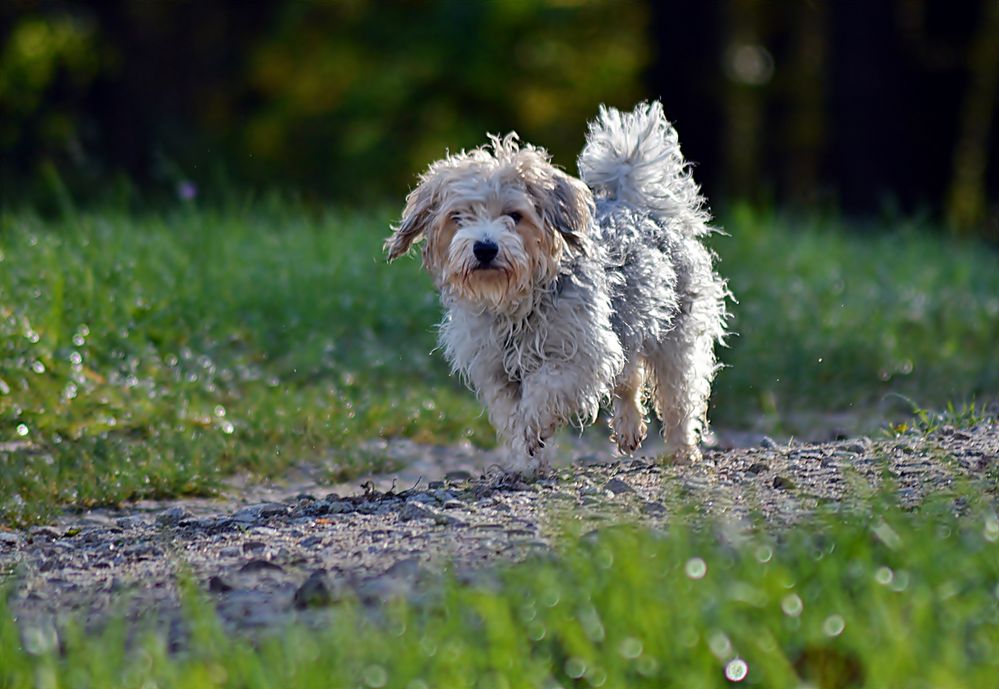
(888, 599)
(149, 354)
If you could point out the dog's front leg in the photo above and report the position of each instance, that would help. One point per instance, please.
(549, 398)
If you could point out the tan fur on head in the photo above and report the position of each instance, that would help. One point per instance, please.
(505, 194)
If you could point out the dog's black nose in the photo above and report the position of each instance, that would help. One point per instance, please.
(485, 251)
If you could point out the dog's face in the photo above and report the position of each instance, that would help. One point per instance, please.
(498, 222)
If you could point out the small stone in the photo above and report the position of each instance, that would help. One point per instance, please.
(314, 592)
(454, 505)
(9, 539)
(211, 525)
(458, 475)
(856, 447)
(617, 486)
(411, 511)
(408, 567)
(218, 585)
(37, 532)
(425, 498)
(653, 508)
(260, 566)
(172, 516)
(756, 468)
(443, 496)
(783, 483)
(261, 512)
(340, 507)
(310, 541)
(130, 522)
(434, 485)
(768, 442)
(251, 546)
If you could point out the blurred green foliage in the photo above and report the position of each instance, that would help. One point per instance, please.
(345, 98)
(388, 88)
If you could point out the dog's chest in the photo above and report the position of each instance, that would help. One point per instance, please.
(514, 348)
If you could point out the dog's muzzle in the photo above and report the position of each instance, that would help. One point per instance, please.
(485, 252)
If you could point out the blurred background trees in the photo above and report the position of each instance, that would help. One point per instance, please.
(861, 106)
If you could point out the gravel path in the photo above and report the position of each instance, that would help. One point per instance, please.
(268, 553)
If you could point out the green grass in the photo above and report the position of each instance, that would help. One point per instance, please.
(886, 599)
(150, 354)
(834, 316)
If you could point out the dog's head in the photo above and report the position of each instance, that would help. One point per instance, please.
(498, 222)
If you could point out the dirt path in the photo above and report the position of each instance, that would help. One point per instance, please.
(266, 553)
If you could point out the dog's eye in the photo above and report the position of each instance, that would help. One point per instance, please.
(515, 216)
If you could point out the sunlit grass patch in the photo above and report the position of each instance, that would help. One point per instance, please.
(836, 315)
(879, 600)
(149, 354)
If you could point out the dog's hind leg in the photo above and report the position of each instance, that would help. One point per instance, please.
(683, 365)
(628, 423)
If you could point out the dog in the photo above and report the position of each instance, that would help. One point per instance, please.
(560, 292)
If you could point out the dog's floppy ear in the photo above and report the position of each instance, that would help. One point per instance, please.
(416, 218)
(567, 206)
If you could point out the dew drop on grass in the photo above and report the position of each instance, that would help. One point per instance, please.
(736, 670)
(630, 647)
(792, 605)
(696, 568)
(833, 626)
(550, 598)
(38, 367)
(375, 676)
(720, 646)
(536, 631)
(227, 427)
(991, 530)
(764, 554)
(575, 667)
(22, 430)
(900, 582)
(647, 666)
(883, 575)
(428, 647)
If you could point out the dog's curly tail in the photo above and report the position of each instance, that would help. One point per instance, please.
(635, 158)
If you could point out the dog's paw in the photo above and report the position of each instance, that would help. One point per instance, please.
(682, 454)
(629, 432)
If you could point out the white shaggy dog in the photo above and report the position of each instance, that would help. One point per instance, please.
(559, 294)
